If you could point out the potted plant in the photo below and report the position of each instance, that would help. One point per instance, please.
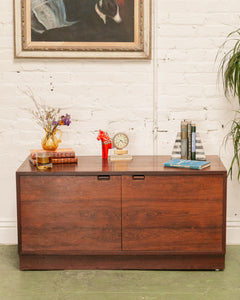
(229, 71)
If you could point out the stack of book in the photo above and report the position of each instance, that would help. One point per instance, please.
(59, 156)
(188, 140)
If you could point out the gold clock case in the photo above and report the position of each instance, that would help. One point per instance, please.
(114, 140)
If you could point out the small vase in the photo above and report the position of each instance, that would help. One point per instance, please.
(51, 141)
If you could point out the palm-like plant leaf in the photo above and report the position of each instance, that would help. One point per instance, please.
(229, 69)
(234, 135)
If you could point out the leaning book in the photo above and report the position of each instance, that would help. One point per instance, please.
(188, 164)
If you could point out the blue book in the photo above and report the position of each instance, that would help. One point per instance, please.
(188, 164)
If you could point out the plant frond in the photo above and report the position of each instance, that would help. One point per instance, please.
(229, 67)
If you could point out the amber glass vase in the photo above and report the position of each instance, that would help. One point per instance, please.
(51, 140)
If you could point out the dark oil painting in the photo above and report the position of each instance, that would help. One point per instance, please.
(82, 20)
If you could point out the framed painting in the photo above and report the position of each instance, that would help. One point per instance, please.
(83, 29)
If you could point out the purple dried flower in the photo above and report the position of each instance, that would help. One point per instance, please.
(65, 120)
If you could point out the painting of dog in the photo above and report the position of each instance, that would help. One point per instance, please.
(82, 21)
(85, 26)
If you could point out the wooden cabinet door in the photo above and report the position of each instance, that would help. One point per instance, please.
(173, 213)
(69, 213)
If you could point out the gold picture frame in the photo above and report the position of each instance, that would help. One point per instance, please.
(82, 37)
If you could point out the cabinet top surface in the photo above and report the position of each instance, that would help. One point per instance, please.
(94, 165)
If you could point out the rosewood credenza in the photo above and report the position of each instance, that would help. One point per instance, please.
(121, 215)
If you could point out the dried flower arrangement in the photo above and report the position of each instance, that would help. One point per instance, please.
(49, 118)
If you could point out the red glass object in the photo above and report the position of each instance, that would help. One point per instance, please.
(106, 143)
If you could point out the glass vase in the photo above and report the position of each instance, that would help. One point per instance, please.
(51, 140)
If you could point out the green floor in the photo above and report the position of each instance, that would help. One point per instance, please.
(118, 285)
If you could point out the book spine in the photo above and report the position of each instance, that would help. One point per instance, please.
(66, 160)
(193, 130)
(184, 167)
(70, 154)
(184, 140)
(189, 126)
(67, 154)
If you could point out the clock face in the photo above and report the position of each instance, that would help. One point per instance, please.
(120, 140)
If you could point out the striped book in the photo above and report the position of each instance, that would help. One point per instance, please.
(176, 152)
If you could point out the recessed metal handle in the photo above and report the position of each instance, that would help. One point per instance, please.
(103, 177)
(138, 177)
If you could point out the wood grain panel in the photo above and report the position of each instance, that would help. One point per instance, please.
(171, 218)
(94, 165)
(61, 213)
(173, 213)
(137, 262)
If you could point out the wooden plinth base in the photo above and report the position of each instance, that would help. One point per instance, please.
(120, 262)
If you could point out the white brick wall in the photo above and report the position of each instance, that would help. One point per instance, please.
(119, 95)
